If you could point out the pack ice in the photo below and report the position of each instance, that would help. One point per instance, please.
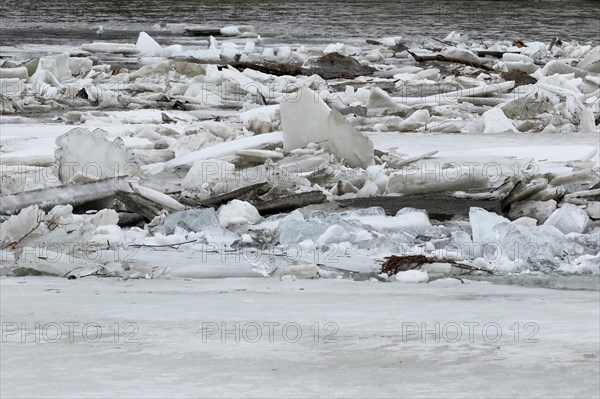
(390, 160)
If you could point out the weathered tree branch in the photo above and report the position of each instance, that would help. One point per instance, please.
(443, 58)
(395, 264)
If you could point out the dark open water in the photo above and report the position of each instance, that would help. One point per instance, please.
(302, 20)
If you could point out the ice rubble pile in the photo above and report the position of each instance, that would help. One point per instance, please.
(251, 130)
(62, 243)
(527, 89)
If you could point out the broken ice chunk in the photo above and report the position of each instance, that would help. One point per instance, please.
(107, 235)
(411, 276)
(334, 48)
(80, 66)
(230, 30)
(258, 156)
(456, 37)
(318, 226)
(200, 220)
(380, 99)
(114, 48)
(260, 124)
(195, 220)
(238, 212)
(147, 45)
(60, 214)
(55, 263)
(91, 156)
(56, 65)
(307, 119)
(418, 119)
(538, 210)
(568, 218)
(14, 73)
(335, 234)
(591, 61)
(535, 50)
(586, 121)
(482, 226)
(219, 129)
(225, 149)
(207, 171)
(496, 122)
(585, 264)
(411, 217)
(26, 222)
(535, 246)
(245, 84)
(428, 176)
(102, 218)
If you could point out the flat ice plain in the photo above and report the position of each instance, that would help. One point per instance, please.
(166, 338)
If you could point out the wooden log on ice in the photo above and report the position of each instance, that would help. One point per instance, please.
(593, 195)
(247, 193)
(524, 190)
(394, 264)
(443, 58)
(203, 31)
(495, 54)
(439, 206)
(328, 66)
(265, 206)
(127, 219)
(272, 68)
(338, 66)
(289, 202)
(139, 204)
(92, 195)
(48, 198)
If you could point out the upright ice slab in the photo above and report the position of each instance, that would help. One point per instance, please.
(496, 122)
(147, 45)
(83, 156)
(591, 61)
(307, 119)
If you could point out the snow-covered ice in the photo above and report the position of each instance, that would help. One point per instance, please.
(341, 338)
(238, 212)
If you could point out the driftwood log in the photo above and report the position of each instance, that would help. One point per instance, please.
(289, 202)
(140, 205)
(265, 202)
(272, 68)
(328, 66)
(248, 193)
(203, 31)
(48, 198)
(443, 58)
(394, 264)
(495, 54)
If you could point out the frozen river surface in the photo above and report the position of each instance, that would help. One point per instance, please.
(189, 334)
(302, 338)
